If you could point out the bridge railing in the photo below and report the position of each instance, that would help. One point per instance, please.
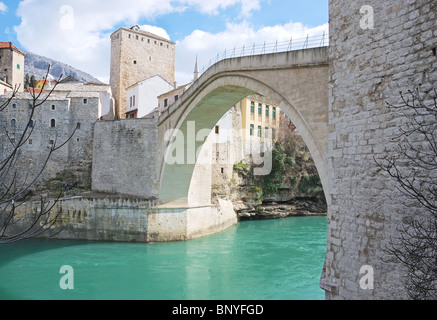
(273, 47)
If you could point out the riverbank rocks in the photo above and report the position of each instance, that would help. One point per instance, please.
(294, 208)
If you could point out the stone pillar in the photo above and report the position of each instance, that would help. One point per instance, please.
(377, 49)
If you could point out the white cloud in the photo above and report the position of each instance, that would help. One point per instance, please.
(207, 45)
(155, 30)
(3, 7)
(78, 32)
(213, 7)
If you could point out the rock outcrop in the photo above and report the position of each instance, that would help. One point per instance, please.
(277, 210)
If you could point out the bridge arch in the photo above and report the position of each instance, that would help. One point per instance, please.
(297, 86)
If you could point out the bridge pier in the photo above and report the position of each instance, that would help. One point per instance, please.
(171, 222)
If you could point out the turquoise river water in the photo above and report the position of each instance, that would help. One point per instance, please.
(254, 260)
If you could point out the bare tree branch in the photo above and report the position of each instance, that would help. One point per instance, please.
(13, 191)
(414, 168)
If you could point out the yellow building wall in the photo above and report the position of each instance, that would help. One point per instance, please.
(262, 120)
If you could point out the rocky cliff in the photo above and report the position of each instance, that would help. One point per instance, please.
(294, 190)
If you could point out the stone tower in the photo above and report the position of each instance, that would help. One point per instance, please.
(12, 65)
(137, 55)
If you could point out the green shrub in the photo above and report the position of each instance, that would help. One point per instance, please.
(309, 183)
(274, 181)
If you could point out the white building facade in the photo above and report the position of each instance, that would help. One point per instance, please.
(142, 97)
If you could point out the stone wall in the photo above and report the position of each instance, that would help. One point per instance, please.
(103, 217)
(96, 218)
(125, 157)
(183, 223)
(370, 66)
(53, 124)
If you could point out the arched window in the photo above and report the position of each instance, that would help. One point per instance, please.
(52, 123)
(13, 123)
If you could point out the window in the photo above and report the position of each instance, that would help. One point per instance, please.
(260, 109)
(14, 106)
(148, 40)
(135, 61)
(51, 142)
(53, 107)
(266, 132)
(78, 126)
(31, 123)
(259, 131)
(267, 111)
(52, 123)
(165, 103)
(85, 101)
(134, 101)
(222, 170)
(217, 129)
(176, 97)
(18, 66)
(30, 141)
(274, 113)
(78, 139)
(13, 123)
(30, 106)
(130, 101)
(136, 37)
(252, 127)
(252, 107)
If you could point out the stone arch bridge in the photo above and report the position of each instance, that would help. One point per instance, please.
(367, 67)
(295, 81)
(139, 150)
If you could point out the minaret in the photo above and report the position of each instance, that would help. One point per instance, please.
(196, 70)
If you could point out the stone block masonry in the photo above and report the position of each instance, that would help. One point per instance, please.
(125, 157)
(105, 217)
(96, 218)
(369, 65)
(53, 123)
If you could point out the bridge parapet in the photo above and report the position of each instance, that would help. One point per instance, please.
(273, 47)
(273, 61)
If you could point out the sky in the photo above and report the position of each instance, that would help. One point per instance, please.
(77, 32)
